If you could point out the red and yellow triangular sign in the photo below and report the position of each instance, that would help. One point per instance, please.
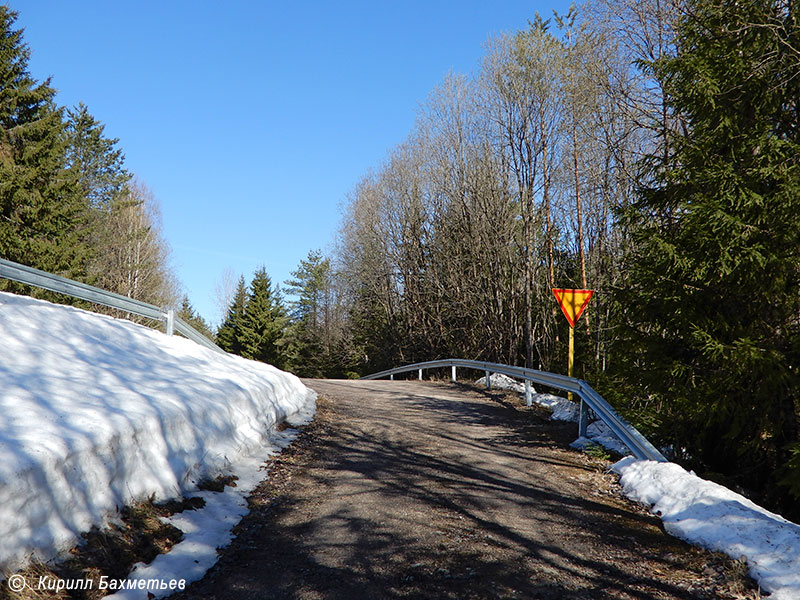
(573, 303)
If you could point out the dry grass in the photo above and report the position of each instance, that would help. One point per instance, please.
(218, 483)
(140, 536)
(32, 574)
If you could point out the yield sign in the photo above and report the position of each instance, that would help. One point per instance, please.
(573, 303)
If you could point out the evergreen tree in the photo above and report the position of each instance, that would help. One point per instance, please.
(188, 314)
(264, 321)
(229, 335)
(309, 338)
(310, 284)
(714, 273)
(305, 353)
(95, 161)
(42, 216)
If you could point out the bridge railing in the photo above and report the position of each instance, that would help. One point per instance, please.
(589, 398)
(82, 291)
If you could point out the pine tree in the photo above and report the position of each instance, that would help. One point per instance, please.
(264, 321)
(715, 278)
(42, 216)
(310, 283)
(309, 338)
(229, 335)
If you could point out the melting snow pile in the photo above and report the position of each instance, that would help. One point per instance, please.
(499, 381)
(712, 516)
(97, 412)
(563, 410)
(204, 531)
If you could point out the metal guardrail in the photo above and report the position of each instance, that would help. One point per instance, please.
(630, 436)
(82, 291)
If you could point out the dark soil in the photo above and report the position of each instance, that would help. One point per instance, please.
(139, 536)
(433, 490)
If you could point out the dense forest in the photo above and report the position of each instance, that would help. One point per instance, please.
(648, 150)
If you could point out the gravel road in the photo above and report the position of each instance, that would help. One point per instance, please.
(437, 490)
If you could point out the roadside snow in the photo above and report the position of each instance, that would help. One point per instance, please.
(499, 381)
(562, 410)
(600, 433)
(97, 412)
(698, 511)
(712, 516)
(204, 530)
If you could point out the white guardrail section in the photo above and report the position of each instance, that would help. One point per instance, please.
(82, 291)
(630, 436)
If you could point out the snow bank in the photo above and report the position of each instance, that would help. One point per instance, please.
(204, 530)
(97, 412)
(499, 381)
(563, 409)
(712, 516)
(600, 433)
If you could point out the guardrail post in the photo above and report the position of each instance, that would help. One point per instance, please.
(391, 377)
(583, 419)
(488, 381)
(453, 373)
(169, 321)
(528, 397)
(420, 375)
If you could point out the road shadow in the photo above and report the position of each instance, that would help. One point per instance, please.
(457, 494)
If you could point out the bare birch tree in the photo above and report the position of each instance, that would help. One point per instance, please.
(134, 257)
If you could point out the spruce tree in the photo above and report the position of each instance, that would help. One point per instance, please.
(97, 166)
(96, 162)
(229, 334)
(188, 314)
(374, 336)
(305, 353)
(715, 284)
(42, 216)
(264, 321)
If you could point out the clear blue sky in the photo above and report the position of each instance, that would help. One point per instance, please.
(252, 121)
